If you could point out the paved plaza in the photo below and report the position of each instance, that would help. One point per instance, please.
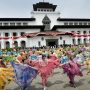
(58, 81)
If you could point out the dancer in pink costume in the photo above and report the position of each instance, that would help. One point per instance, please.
(72, 69)
(45, 68)
(53, 56)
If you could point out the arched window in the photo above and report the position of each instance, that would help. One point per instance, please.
(46, 22)
(72, 31)
(78, 32)
(42, 38)
(23, 44)
(39, 43)
(22, 33)
(6, 34)
(84, 32)
(14, 34)
(7, 44)
(89, 32)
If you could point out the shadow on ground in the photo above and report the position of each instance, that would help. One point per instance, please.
(77, 84)
(49, 84)
(56, 72)
(29, 88)
(89, 82)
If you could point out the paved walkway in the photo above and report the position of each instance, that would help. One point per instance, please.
(58, 81)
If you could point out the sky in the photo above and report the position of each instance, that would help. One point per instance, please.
(23, 8)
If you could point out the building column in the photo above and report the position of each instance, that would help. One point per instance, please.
(11, 40)
(2, 44)
(18, 34)
(2, 41)
(19, 43)
(87, 40)
(81, 40)
(76, 40)
(27, 42)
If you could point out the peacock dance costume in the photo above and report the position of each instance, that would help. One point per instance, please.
(24, 74)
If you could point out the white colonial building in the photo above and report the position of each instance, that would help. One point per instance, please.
(44, 28)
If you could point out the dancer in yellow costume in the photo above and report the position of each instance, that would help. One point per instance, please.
(87, 62)
(6, 75)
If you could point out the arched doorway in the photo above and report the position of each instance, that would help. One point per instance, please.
(23, 44)
(7, 44)
(79, 41)
(15, 44)
(52, 42)
(0, 45)
(85, 40)
(74, 41)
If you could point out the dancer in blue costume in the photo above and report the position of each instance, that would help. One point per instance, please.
(24, 74)
(33, 56)
(64, 59)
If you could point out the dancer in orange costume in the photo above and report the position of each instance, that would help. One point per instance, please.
(87, 62)
(6, 75)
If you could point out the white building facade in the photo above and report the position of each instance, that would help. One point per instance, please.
(44, 28)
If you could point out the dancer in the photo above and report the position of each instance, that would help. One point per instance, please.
(87, 62)
(2, 63)
(53, 56)
(64, 59)
(72, 69)
(45, 68)
(6, 75)
(24, 74)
